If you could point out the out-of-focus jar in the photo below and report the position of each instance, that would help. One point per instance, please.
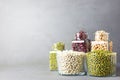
(53, 60)
(99, 45)
(58, 46)
(81, 46)
(71, 63)
(101, 63)
(81, 36)
(101, 35)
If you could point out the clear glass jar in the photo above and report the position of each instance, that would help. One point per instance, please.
(81, 45)
(101, 35)
(81, 36)
(58, 46)
(53, 60)
(101, 63)
(99, 45)
(71, 63)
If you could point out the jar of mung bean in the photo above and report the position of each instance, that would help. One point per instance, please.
(71, 63)
(101, 63)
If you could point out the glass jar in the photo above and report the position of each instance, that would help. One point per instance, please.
(81, 45)
(58, 46)
(81, 35)
(99, 45)
(101, 63)
(71, 63)
(101, 35)
(52, 60)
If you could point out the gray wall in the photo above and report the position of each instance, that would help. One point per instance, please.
(28, 28)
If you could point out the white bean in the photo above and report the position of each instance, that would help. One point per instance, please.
(70, 62)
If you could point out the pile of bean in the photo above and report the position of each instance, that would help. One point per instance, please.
(99, 45)
(52, 60)
(101, 36)
(71, 63)
(101, 63)
(58, 46)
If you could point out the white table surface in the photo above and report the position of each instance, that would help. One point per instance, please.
(41, 72)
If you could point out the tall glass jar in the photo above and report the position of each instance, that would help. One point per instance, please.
(59, 46)
(101, 63)
(53, 60)
(71, 63)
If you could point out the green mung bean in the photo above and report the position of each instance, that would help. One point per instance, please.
(101, 63)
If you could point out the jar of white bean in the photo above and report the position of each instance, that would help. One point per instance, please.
(71, 62)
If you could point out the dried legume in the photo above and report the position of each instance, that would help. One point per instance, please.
(99, 45)
(101, 36)
(52, 60)
(81, 46)
(101, 63)
(58, 46)
(70, 62)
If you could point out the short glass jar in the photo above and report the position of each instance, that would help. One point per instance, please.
(101, 63)
(71, 62)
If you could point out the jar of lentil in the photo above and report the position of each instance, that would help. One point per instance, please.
(101, 63)
(71, 63)
(101, 35)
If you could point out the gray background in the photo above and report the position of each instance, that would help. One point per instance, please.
(28, 28)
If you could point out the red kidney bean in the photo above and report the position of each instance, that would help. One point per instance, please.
(81, 35)
(81, 46)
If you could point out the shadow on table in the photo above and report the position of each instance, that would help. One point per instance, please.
(118, 71)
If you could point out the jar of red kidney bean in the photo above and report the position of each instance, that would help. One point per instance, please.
(81, 35)
(81, 45)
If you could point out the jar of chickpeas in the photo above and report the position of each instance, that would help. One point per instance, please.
(99, 45)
